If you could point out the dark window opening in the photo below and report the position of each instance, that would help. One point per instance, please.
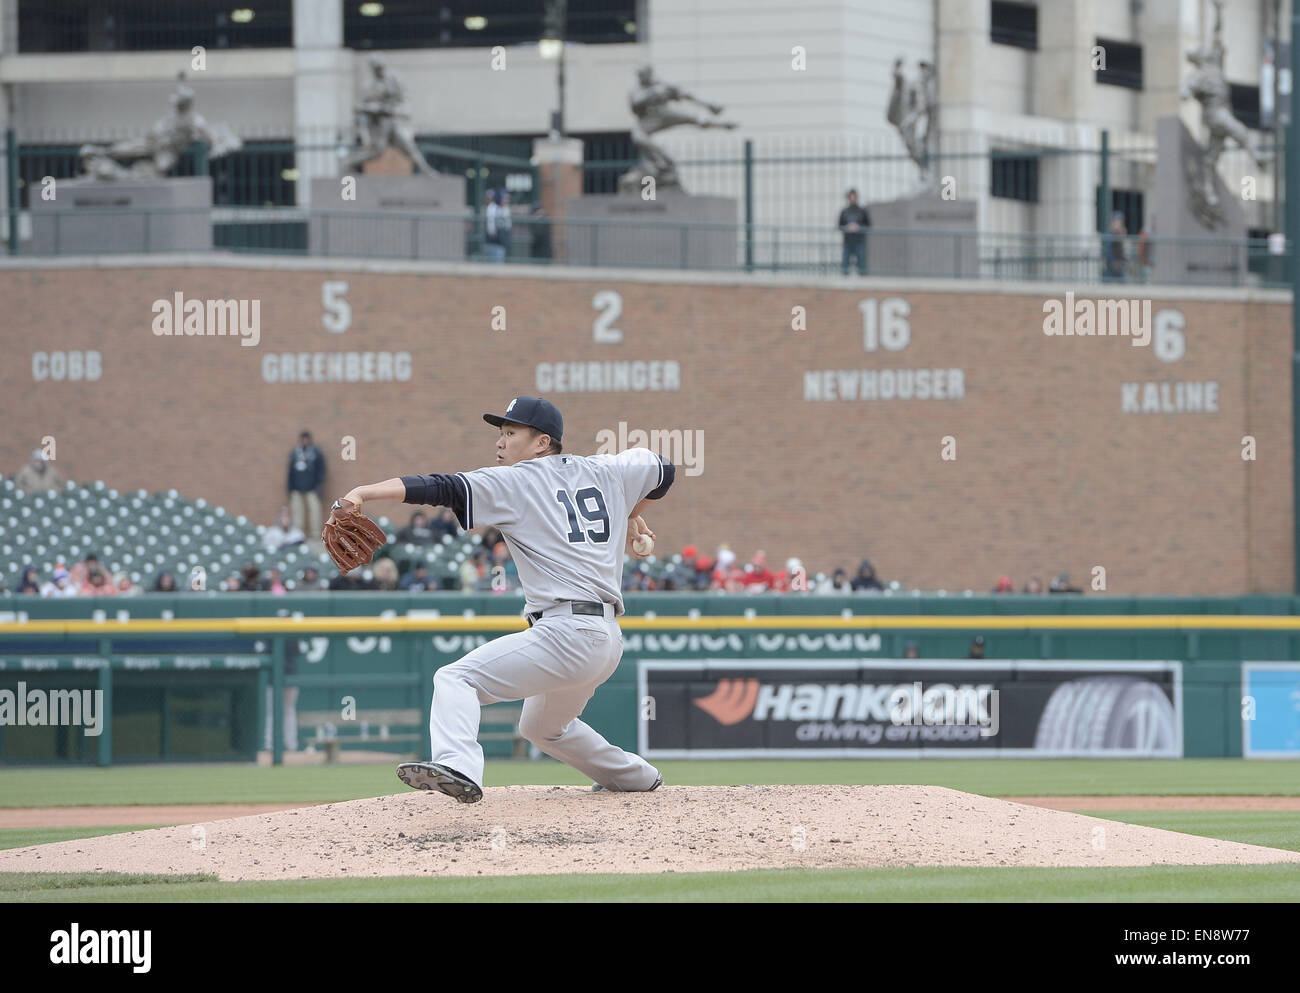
(1015, 177)
(1245, 104)
(1130, 203)
(152, 25)
(482, 23)
(1123, 64)
(1014, 24)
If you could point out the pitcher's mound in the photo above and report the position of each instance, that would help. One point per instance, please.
(543, 829)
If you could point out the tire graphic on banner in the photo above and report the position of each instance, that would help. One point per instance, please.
(1107, 714)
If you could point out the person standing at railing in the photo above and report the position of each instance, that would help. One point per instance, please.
(853, 224)
(1112, 249)
(1144, 256)
(497, 226)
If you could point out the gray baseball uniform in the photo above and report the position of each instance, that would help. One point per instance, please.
(564, 519)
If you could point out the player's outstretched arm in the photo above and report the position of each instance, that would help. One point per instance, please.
(389, 489)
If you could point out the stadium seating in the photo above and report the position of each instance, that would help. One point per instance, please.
(144, 534)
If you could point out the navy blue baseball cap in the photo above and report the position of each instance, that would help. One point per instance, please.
(533, 412)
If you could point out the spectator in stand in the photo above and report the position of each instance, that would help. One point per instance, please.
(251, 579)
(1004, 585)
(912, 650)
(976, 647)
(1061, 584)
(275, 583)
(98, 583)
(837, 585)
(866, 580)
(306, 477)
(359, 578)
(165, 583)
(730, 580)
(232, 583)
(126, 585)
(80, 572)
(703, 577)
(283, 533)
(504, 566)
(758, 577)
(490, 538)
(310, 581)
(1034, 585)
(38, 476)
(385, 573)
(682, 574)
(60, 586)
(417, 580)
(474, 569)
(724, 558)
(417, 532)
(444, 524)
(792, 579)
(30, 582)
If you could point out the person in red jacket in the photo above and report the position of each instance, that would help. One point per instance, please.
(759, 577)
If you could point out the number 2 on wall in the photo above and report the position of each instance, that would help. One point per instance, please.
(597, 514)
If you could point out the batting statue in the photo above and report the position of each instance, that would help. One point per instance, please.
(565, 519)
(383, 120)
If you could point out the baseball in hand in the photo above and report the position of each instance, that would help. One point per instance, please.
(643, 545)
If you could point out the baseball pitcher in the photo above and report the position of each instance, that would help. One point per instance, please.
(565, 519)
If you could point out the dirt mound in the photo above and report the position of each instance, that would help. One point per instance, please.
(546, 829)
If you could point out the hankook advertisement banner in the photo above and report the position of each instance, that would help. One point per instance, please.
(734, 708)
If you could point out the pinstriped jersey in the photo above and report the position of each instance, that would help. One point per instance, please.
(564, 518)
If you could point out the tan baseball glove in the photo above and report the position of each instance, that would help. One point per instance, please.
(350, 537)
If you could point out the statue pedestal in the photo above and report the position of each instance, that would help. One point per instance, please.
(1221, 258)
(393, 217)
(94, 216)
(626, 230)
(923, 236)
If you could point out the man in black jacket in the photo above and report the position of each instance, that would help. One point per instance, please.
(306, 477)
(854, 221)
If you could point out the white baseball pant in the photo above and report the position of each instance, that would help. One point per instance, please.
(554, 667)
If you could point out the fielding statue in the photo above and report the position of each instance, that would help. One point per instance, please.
(911, 111)
(1207, 85)
(649, 101)
(382, 120)
(156, 154)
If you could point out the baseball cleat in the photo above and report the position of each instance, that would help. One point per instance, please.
(597, 788)
(431, 776)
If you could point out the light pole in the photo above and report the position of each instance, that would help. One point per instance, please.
(551, 46)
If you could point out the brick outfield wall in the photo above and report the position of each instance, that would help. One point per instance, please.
(1050, 472)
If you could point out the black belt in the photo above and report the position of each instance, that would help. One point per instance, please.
(594, 607)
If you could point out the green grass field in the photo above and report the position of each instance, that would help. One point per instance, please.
(148, 785)
(170, 784)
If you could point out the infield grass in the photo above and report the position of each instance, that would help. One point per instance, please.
(246, 783)
(1252, 884)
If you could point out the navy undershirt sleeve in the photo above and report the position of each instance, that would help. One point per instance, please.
(438, 489)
